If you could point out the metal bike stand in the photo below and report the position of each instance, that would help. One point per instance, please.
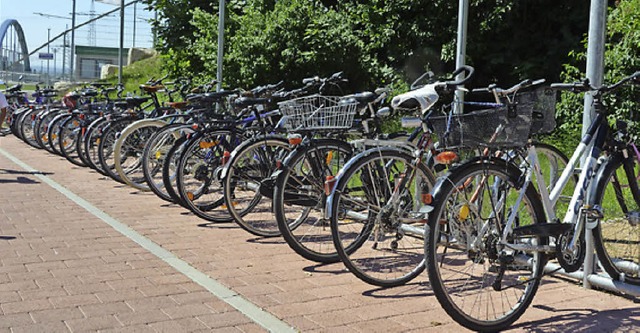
(589, 275)
(597, 280)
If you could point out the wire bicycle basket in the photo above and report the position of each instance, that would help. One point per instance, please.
(318, 113)
(507, 125)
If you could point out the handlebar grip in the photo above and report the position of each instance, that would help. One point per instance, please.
(565, 86)
(465, 68)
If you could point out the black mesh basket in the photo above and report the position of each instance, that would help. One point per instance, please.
(506, 126)
(542, 102)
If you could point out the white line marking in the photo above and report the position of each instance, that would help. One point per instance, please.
(255, 313)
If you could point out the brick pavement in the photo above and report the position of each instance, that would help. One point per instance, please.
(63, 269)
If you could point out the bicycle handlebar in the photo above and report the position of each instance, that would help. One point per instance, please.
(493, 88)
(585, 85)
(462, 69)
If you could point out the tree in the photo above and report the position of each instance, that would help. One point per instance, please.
(622, 58)
(376, 42)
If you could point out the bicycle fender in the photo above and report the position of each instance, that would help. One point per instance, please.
(510, 168)
(600, 173)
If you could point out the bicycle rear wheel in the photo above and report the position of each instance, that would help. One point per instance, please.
(378, 237)
(482, 284)
(617, 236)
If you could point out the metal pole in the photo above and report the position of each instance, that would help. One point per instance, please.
(48, 51)
(64, 51)
(73, 41)
(221, 5)
(461, 49)
(134, 25)
(595, 55)
(595, 74)
(120, 65)
(155, 32)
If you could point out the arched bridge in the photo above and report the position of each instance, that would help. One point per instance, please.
(13, 47)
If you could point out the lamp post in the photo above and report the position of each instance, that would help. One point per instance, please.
(120, 62)
(48, 52)
(73, 36)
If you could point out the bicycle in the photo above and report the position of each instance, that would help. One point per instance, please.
(374, 206)
(491, 231)
(303, 179)
(381, 194)
(253, 162)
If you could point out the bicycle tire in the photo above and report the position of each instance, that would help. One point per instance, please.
(16, 121)
(53, 132)
(249, 164)
(465, 274)
(170, 170)
(199, 170)
(67, 140)
(106, 147)
(156, 152)
(617, 235)
(27, 128)
(128, 152)
(380, 240)
(299, 198)
(42, 126)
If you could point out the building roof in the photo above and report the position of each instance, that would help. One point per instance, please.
(99, 51)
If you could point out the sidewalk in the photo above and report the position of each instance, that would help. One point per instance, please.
(66, 266)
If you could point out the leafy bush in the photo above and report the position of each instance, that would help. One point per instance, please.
(622, 58)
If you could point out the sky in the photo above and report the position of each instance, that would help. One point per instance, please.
(37, 16)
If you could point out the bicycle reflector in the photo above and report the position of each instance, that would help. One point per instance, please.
(294, 139)
(463, 213)
(225, 157)
(207, 144)
(329, 184)
(427, 198)
(446, 157)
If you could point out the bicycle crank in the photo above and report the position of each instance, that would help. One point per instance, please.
(570, 260)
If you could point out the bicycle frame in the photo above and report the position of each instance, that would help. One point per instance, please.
(593, 139)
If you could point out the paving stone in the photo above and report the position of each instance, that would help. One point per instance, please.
(67, 257)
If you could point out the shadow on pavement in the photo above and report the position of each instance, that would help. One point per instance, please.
(20, 180)
(337, 268)
(17, 172)
(218, 225)
(583, 320)
(7, 237)
(413, 289)
(267, 240)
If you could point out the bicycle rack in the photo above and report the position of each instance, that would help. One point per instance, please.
(592, 278)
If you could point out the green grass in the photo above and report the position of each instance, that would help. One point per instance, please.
(138, 73)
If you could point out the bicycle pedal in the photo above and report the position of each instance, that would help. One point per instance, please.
(594, 212)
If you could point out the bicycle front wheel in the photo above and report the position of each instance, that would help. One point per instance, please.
(128, 151)
(378, 225)
(299, 197)
(251, 163)
(617, 236)
(199, 170)
(481, 283)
